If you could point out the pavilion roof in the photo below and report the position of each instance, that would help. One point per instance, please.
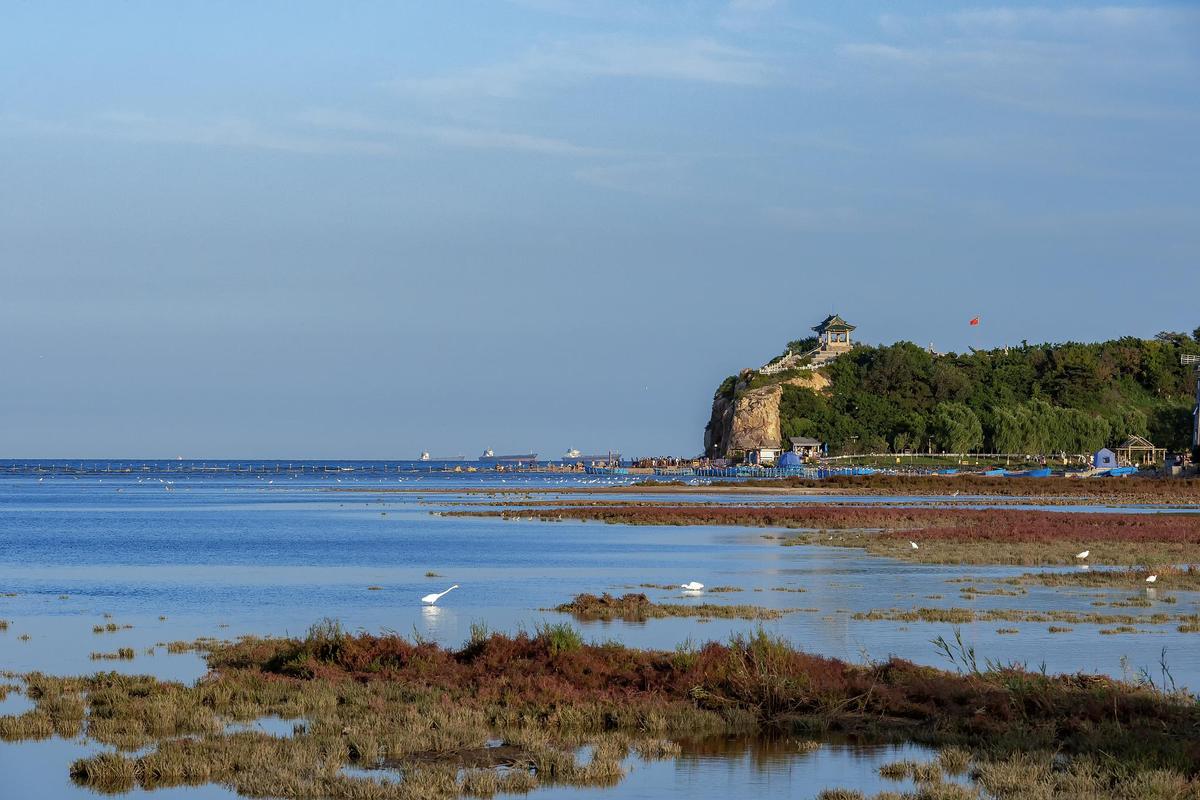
(833, 322)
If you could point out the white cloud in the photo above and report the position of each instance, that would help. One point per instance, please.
(823, 219)
(452, 135)
(597, 9)
(312, 132)
(746, 15)
(227, 131)
(502, 140)
(1111, 61)
(659, 178)
(702, 60)
(884, 52)
(1071, 22)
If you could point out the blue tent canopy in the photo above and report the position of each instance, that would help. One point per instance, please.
(789, 459)
(1104, 459)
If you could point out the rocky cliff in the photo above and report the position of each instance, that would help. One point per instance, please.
(744, 418)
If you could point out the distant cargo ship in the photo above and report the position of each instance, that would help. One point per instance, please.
(490, 456)
(426, 457)
(574, 456)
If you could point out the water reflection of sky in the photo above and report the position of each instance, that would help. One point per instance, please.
(226, 557)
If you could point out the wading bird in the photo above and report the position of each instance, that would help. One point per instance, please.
(915, 546)
(430, 599)
(1151, 579)
(691, 586)
(1084, 554)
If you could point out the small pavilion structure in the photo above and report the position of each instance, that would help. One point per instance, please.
(1137, 450)
(834, 334)
(806, 447)
(762, 456)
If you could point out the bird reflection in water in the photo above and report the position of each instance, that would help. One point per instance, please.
(437, 620)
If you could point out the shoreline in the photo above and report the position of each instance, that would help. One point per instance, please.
(1083, 491)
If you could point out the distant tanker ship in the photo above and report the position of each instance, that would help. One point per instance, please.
(519, 458)
(574, 456)
(426, 457)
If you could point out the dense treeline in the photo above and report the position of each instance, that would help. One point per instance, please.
(1051, 398)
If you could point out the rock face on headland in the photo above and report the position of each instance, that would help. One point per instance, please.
(744, 418)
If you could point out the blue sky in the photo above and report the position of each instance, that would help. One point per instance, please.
(366, 229)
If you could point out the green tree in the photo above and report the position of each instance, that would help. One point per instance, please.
(1009, 434)
(1127, 421)
(955, 428)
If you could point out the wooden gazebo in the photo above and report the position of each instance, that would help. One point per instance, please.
(1137, 450)
(834, 333)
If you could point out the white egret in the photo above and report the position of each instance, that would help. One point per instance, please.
(1084, 554)
(915, 546)
(1151, 579)
(430, 599)
(691, 586)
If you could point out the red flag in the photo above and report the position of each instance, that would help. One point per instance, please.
(975, 321)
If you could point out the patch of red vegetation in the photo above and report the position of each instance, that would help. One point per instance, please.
(1148, 489)
(933, 523)
(761, 679)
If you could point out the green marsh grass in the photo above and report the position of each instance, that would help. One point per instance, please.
(122, 654)
(429, 712)
(637, 607)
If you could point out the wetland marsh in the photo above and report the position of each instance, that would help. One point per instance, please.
(226, 557)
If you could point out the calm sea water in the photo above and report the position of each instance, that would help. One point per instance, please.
(224, 554)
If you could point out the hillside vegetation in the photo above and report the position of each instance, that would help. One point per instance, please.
(1049, 398)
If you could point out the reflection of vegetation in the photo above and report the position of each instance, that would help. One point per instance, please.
(122, 654)
(430, 712)
(1018, 777)
(1031, 399)
(962, 616)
